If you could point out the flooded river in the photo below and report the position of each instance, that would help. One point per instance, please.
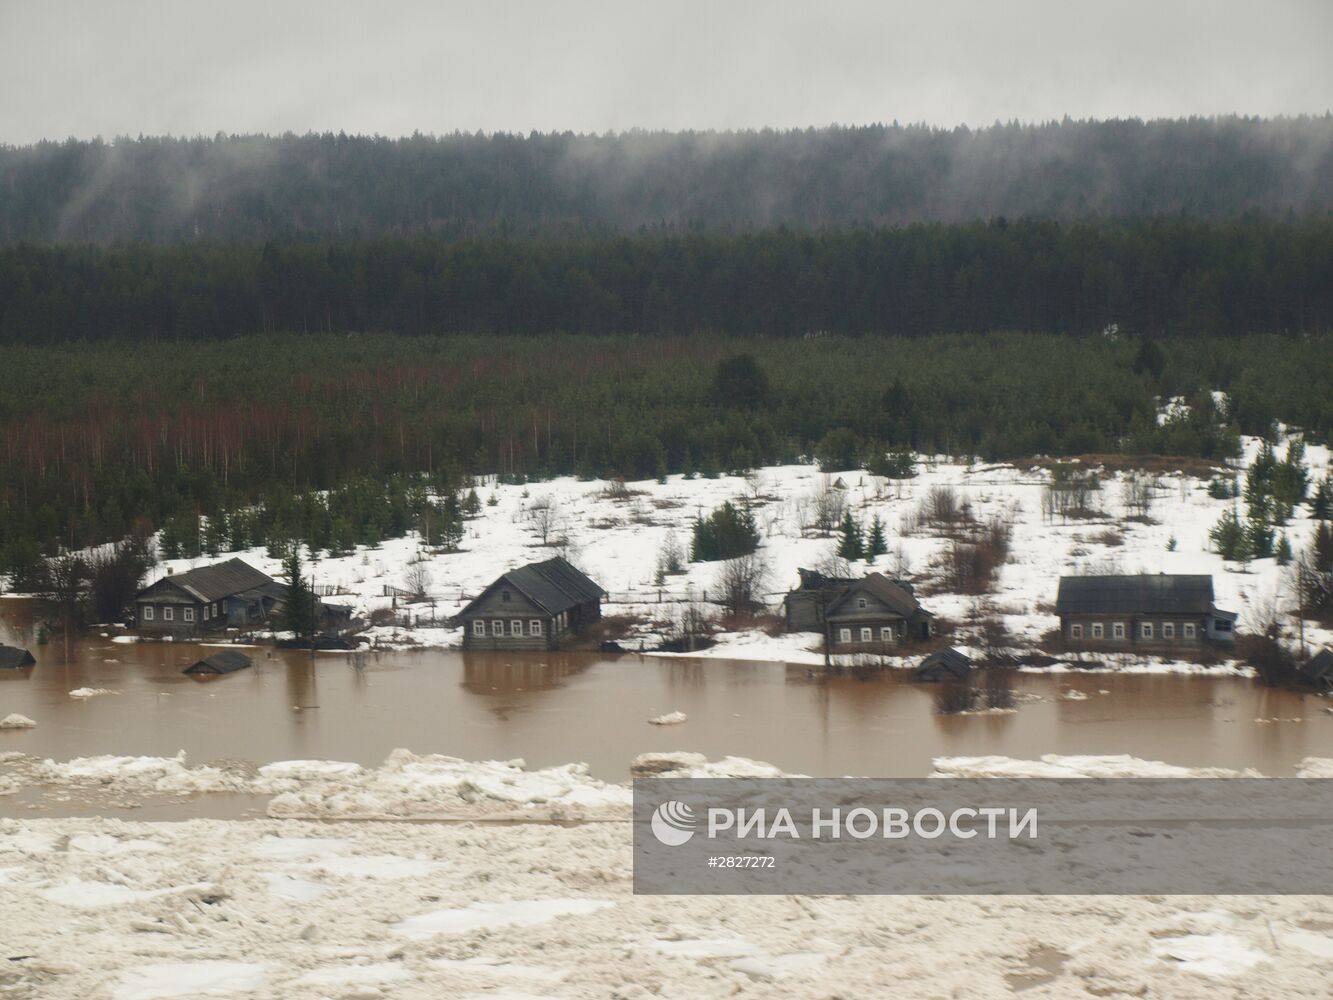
(556, 708)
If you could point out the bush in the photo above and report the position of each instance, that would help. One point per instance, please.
(726, 533)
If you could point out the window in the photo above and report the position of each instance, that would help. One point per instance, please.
(504, 595)
(886, 634)
(1146, 630)
(516, 627)
(1187, 630)
(1222, 625)
(844, 635)
(147, 612)
(1118, 630)
(861, 603)
(497, 627)
(535, 627)
(212, 611)
(1076, 631)
(188, 614)
(168, 614)
(866, 634)
(1168, 630)
(1098, 630)
(478, 627)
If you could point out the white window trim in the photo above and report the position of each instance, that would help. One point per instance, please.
(861, 603)
(479, 627)
(168, 614)
(187, 614)
(844, 635)
(1146, 630)
(867, 634)
(535, 627)
(1098, 630)
(147, 612)
(886, 633)
(497, 627)
(1168, 630)
(1188, 631)
(1076, 631)
(516, 626)
(1118, 630)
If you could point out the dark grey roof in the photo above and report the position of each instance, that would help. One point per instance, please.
(945, 661)
(1319, 667)
(212, 583)
(895, 595)
(1126, 595)
(222, 662)
(11, 658)
(554, 585)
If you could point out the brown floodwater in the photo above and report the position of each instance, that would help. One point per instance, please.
(552, 708)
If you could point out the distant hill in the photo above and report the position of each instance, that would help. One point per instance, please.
(255, 188)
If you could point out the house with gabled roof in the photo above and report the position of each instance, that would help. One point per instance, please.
(230, 594)
(539, 606)
(1148, 610)
(857, 615)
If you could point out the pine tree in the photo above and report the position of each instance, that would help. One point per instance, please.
(876, 544)
(1321, 504)
(1229, 538)
(852, 545)
(300, 612)
(1283, 551)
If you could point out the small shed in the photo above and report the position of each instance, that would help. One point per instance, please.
(224, 661)
(1318, 669)
(944, 665)
(12, 658)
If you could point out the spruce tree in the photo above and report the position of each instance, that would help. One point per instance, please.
(876, 544)
(852, 545)
(1283, 551)
(300, 612)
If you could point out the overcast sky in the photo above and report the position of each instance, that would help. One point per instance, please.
(109, 67)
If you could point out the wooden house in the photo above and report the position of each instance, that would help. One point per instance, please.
(224, 661)
(230, 594)
(943, 665)
(539, 606)
(14, 658)
(1317, 671)
(857, 615)
(1154, 611)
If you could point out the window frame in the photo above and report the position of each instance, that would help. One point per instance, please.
(497, 626)
(1117, 630)
(1188, 630)
(1147, 630)
(187, 614)
(168, 613)
(535, 627)
(516, 626)
(1098, 630)
(479, 627)
(886, 633)
(867, 634)
(861, 604)
(148, 615)
(1168, 630)
(1076, 630)
(844, 635)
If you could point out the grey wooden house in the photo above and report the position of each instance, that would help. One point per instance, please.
(946, 664)
(538, 606)
(224, 661)
(857, 615)
(230, 594)
(1157, 611)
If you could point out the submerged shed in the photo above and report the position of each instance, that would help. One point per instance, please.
(223, 662)
(944, 665)
(1318, 670)
(11, 658)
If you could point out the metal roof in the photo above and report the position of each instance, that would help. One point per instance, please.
(212, 583)
(554, 585)
(898, 598)
(947, 660)
(11, 658)
(224, 661)
(1147, 593)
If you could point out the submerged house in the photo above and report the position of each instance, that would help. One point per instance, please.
(230, 594)
(857, 615)
(1318, 670)
(1148, 610)
(538, 606)
(14, 658)
(226, 661)
(946, 664)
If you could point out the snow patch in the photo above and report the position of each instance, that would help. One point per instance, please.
(488, 916)
(16, 721)
(670, 719)
(178, 979)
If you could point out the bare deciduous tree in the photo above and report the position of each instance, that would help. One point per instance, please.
(417, 580)
(740, 581)
(544, 514)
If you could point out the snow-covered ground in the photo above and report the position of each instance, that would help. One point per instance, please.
(617, 542)
(100, 908)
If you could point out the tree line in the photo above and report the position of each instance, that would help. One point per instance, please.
(256, 187)
(1156, 278)
(350, 440)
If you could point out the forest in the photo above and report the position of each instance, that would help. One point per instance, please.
(117, 438)
(1156, 277)
(254, 188)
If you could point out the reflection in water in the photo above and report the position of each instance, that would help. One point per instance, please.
(553, 708)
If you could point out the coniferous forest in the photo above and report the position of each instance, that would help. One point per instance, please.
(320, 337)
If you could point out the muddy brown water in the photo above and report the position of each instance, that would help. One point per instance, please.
(555, 708)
